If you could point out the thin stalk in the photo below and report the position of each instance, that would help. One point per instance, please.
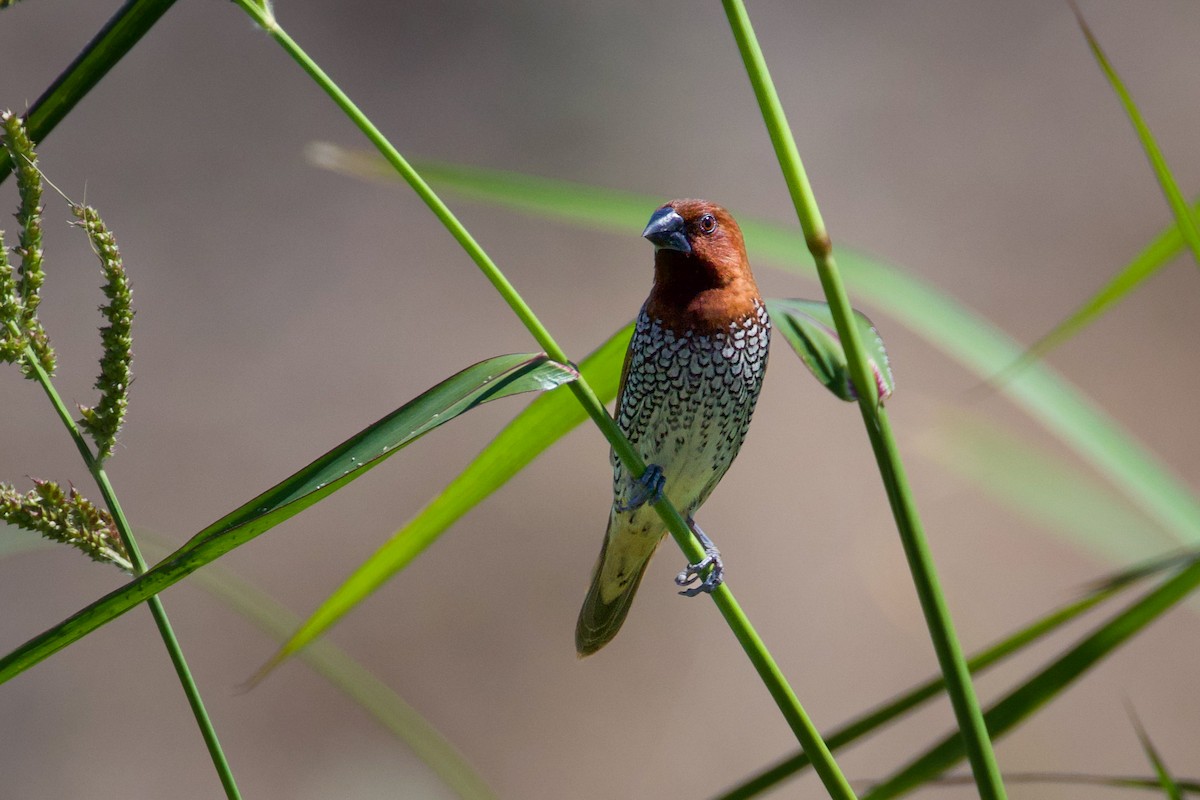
(769, 672)
(139, 566)
(916, 548)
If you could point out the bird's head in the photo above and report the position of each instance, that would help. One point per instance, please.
(697, 228)
(699, 256)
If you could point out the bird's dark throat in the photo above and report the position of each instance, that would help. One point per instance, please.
(693, 293)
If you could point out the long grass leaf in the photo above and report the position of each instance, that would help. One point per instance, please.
(544, 422)
(875, 719)
(326, 659)
(1150, 260)
(1170, 188)
(489, 380)
(1166, 246)
(1043, 487)
(357, 682)
(1077, 779)
(1048, 683)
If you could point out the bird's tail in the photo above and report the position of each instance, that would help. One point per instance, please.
(599, 620)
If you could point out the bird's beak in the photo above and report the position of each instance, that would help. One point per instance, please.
(667, 231)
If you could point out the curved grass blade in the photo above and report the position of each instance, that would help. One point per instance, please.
(1043, 487)
(326, 659)
(1047, 683)
(594, 207)
(939, 319)
(1156, 255)
(488, 380)
(871, 721)
(536, 428)
(1165, 247)
(808, 327)
(115, 39)
(1170, 189)
(358, 683)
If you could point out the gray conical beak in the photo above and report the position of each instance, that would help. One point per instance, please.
(667, 231)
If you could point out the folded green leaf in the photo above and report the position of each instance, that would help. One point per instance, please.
(859, 727)
(1047, 684)
(489, 380)
(808, 327)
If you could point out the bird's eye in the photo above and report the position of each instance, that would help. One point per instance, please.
(708, 223)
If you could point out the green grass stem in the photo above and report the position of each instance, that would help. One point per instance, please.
(170, 641)
(933, 603)
(769, 672)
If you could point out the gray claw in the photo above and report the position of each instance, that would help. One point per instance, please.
(693, 573)
(648, 489)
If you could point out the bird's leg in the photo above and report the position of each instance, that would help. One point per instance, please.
(712, 558)
(647, 489)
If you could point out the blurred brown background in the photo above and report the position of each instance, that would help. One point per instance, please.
(282, 308)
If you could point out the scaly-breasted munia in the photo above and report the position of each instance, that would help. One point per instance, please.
(691, 378)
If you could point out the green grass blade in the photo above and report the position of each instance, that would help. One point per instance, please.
(1156, 255)
(115, 39)
(544, 422)
(609, 210)
(1038, 390)
(1167, 783)
(1165, 247)
(359, 684)
(492, 379)
(326, 659)
(1077, 779)
(489, 380)
(875, 719)
(1179, 206)
(939, 319)
(1047, 684)
(1044, 488)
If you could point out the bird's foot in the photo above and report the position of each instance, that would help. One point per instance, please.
(647, 489)
(694, 572)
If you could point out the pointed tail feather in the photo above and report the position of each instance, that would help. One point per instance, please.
(599, 621)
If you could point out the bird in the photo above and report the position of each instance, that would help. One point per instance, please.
(690, 381)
